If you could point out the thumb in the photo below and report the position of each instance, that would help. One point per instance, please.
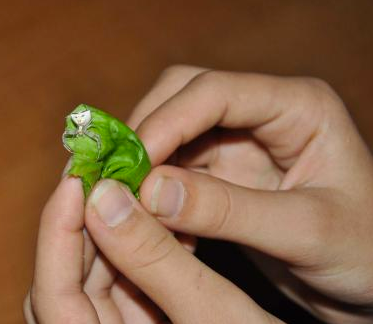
(287, 224)
(142, 249)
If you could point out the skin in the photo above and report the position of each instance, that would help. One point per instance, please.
(285, 174)
(120, 154)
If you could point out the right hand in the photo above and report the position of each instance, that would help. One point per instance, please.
(286, 174)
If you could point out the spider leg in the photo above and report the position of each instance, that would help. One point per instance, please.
(68, 133)
(89, 124)
(96, 138)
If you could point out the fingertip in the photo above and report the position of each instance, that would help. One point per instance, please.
(109, 204)
(164, 190)
(145, 131)
(67, 167)
(58, 266)
(66, 204)
(27, 309)
(146, 189)
(69, 189)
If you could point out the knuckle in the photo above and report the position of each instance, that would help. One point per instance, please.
(320, 93)
(317, 84)
(317, 225)
(314, 103)
(224, 212)
(211, 84)
(151, 249)
(216, 220)
(209, 78)
(176, 70)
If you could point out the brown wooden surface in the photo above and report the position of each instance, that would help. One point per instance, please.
(57, 54)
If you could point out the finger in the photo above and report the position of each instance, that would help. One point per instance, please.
(226, 153)
(56, 293)
(290, 225)
(150, 256)
(89, 253)
(98, 288)
(172, 80)
(284, 122)
(133, 304)
(27, 310)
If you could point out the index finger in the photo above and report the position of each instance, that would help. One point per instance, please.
(56, 292)
(170, 81)
(282, 111)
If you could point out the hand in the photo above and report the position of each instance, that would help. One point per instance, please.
(281, 170)
(146, 253)
(71, 285)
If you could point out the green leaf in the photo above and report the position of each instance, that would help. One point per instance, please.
(104, 147)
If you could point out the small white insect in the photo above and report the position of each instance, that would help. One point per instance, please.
(83, 121)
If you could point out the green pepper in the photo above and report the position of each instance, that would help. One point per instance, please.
(103, 147)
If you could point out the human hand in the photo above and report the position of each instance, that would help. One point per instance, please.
(147, 254)
(73, 282)
(71, 285)
(285, 173)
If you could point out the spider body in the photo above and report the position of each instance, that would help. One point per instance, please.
(83, 121)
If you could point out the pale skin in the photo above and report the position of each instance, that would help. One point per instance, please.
(286, 174)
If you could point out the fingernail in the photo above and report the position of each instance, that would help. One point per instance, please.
(66, 169)
(167, 197)
(111, 202)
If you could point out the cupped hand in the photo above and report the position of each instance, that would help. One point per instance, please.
(274, 164)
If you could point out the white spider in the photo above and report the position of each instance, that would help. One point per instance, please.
(83, 121)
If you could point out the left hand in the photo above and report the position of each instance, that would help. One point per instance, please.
(68, 288)
(73, 282)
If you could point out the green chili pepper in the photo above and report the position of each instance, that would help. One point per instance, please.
(103, 147)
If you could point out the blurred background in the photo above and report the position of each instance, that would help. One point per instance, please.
(57, 54)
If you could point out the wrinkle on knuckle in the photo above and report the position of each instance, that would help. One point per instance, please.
(314, 106)
(151, 250)
(218, 222)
